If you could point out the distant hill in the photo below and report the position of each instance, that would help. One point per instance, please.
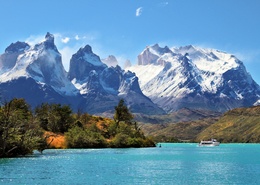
(182, 115)
(184, 124)
(237, 125)
(234, 126)
(177, 132)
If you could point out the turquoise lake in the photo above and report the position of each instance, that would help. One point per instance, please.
(171, 164)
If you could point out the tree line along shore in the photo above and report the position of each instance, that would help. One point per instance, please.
(23, 130)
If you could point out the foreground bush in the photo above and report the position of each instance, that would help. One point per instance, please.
(79, 137)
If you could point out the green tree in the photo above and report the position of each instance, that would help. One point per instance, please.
(125, 131)
(122, 113)
(54, 117)
(42, 113)
(19, 131)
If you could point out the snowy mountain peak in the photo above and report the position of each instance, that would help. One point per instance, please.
(9, 58)
(48, 43)
(43, 64)
(159, 50)
(194, 77)
(49, 37)
(17, 47)
(103, 85)
(110, 61)
(86, 55)
(188, 48)
(151, 54)
(83, 62)
(156, 50)
(86, 49)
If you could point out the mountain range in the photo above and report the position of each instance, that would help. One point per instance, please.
(195, 78)
(36, 73)
(164, 80)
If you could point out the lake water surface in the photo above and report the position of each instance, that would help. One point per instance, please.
(171, 164)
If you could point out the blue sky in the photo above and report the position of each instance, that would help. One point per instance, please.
(125, 27)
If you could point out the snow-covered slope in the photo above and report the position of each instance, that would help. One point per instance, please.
(36, 73)
(194, 77)
(42, 62)
(103, 86)
(8, 59)
(169, 78)
(146, 72)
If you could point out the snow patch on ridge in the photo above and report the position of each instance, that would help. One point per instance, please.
(92, 59)
(145, 73)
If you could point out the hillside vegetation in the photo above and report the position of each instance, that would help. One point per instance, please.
(237, 125)
(177, 132)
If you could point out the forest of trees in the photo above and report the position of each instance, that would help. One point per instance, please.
(22, 129)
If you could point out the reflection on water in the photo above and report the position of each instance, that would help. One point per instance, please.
(170, 164)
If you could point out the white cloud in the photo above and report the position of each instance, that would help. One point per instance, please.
(65, 40)
(77, 37)
(138, 11)
(34, 39)
(86, 37)
(248, 56)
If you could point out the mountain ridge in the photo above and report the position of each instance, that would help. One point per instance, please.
(38, 75)
(105, 86)
(196, 78)
(166, 79)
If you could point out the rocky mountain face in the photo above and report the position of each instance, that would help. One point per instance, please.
(102, 86)
(8, 59)
(195, 78)
(36, 73)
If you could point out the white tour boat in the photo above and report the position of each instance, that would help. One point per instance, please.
(212, 142)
